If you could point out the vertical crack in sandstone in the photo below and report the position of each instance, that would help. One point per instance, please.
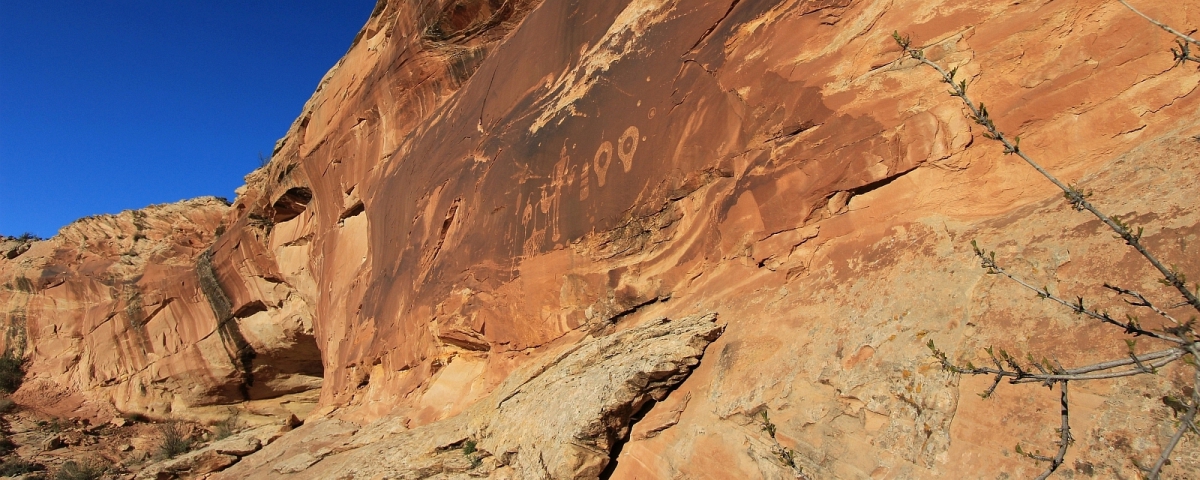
(432, 254)
(241, 354)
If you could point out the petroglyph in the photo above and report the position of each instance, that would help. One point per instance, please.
(605, 151)
(584, 180)
(630, 137)
(540, 211)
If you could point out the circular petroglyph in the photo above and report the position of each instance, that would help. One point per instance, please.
(605, 151)
(651, 113)
(628, 139)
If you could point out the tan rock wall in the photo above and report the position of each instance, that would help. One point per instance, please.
(109, 313)
(480, 185)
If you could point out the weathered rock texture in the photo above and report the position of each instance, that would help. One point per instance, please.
(557, 418)
(482, 185)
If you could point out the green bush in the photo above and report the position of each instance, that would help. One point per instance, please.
(12, 372)
(175, 440)
(18, 466)
(226, 427)
(90, 469)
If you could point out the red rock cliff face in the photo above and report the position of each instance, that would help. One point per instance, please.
(110, 314)
(481, 190)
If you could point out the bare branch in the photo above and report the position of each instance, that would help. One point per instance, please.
(1141, 301)
(1131, 326)
(1065, 438)
(1182, 334)
(1188, 423)
(1016, 377)
(1161, 25)
(1076, 197)
(1144, 363)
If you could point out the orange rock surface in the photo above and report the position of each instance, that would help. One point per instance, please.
(481, 189)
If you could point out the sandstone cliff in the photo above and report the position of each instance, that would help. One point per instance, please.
(475, 228)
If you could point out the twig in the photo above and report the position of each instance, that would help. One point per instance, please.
(1065, 438)
(1141, 302)
(1006, 366)
(1161, 25)
(786, 455)
(988, 260)
(1188, 424)
(1146, 363)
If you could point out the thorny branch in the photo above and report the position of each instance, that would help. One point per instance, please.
(1181, 335)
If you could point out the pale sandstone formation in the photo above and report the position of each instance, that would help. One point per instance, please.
(114, 316)
(556, 418)
(481, 185)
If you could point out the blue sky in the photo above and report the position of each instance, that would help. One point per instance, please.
(117, 104)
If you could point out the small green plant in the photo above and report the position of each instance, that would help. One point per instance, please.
(89, 469)
(785, 455)
(12, 372)
(53, 426)
(226, 427)
(471, 453)
(175, 440)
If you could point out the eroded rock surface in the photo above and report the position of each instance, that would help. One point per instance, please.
(560, 417)
(481, 186)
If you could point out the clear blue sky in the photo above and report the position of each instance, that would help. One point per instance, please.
(108, 105)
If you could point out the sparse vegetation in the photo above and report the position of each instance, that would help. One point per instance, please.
(1176, 339)
(18, 466)
(175, 440)
(89, 469)
(134, 417)
(7, 405)
(226, 427)
(55, 425)
(12, 372)
(472, 454)
(785, 455)
(6, 444)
